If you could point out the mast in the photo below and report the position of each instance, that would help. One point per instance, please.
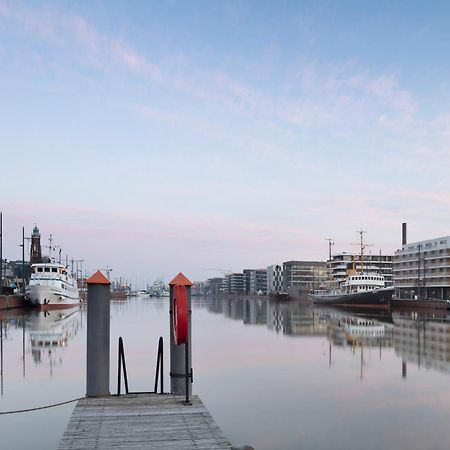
(23, 260)
(362, 247)
(330, 246)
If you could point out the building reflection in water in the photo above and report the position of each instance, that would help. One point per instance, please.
(423, 340)
(50, 333)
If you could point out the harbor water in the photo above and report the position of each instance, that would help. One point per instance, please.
(273, 375)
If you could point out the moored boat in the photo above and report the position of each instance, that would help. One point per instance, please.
(52, 286)
(363, 289)
(283, 296)
(358, 288)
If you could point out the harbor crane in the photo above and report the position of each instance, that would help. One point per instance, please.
(222, 271)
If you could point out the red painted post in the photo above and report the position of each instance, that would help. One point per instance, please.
(178, 354)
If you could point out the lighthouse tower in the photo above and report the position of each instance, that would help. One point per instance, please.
(35, 252)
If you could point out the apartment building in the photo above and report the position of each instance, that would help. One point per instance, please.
(274, 279)
(341, 263)
(422, 270)
(303, 276)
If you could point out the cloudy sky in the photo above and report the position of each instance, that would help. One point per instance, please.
(162, 136)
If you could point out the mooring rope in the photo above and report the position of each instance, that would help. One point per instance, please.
(40, 407)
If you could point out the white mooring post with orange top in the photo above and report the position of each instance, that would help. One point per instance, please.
(180, 348)
(98, 335)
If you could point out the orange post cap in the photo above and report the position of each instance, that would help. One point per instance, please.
(180, 279)
(98, 278)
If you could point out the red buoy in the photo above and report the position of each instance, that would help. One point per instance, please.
(180, 314)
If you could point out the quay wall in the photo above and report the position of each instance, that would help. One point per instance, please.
(12, 301)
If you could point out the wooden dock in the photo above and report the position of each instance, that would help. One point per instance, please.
(142, 421)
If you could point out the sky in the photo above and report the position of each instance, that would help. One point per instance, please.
(162, 136)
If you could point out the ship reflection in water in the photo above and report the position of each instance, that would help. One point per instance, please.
(50, 333)
(419, 339)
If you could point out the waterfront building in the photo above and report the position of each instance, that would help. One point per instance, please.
(274, 279)
(214, 286)
(258, 282)
(303, 276)
(247, 275)
(341, 264)
(198, 288)
(422, 270)
(234, 284)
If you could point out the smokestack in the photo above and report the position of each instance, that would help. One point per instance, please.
(404, 233)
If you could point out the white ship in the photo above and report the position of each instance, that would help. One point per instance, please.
(52, 286)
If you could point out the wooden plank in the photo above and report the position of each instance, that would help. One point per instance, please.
(138, 421)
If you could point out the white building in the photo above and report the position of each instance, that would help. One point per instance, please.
(274, 278)
(341, 263)
(422, 270)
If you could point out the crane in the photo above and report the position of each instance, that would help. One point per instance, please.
(222, 271)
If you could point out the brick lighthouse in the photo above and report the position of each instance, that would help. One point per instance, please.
(35, 252)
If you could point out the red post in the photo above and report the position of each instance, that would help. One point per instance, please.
(180, 356)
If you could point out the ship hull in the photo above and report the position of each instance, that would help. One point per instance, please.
(379, 297)
(49, 297)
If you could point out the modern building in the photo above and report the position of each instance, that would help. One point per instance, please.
(303, 276)
(422, 270)
(274, 279)
(234, 284)
(258, 282)
(198, 288)
(247, 275)
(341, 263)
(214, 286)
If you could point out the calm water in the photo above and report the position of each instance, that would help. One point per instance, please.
(274, 376)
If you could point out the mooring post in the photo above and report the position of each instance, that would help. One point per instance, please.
(98, 335)
(178, 352)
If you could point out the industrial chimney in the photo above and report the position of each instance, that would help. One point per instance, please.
(404, 233)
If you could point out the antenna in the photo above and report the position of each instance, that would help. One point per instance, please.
(108, 270)
(51, 247)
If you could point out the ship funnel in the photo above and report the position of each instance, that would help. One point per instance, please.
(404, 233)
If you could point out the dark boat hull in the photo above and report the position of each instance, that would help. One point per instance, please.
(379, 297)
(422, 304)
(281, 296)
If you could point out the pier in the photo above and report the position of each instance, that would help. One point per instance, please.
(12, 301)
(142, 421)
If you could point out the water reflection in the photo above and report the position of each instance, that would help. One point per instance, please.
(423, 341)
(50, 333)
(419, 339)
(10, 321)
